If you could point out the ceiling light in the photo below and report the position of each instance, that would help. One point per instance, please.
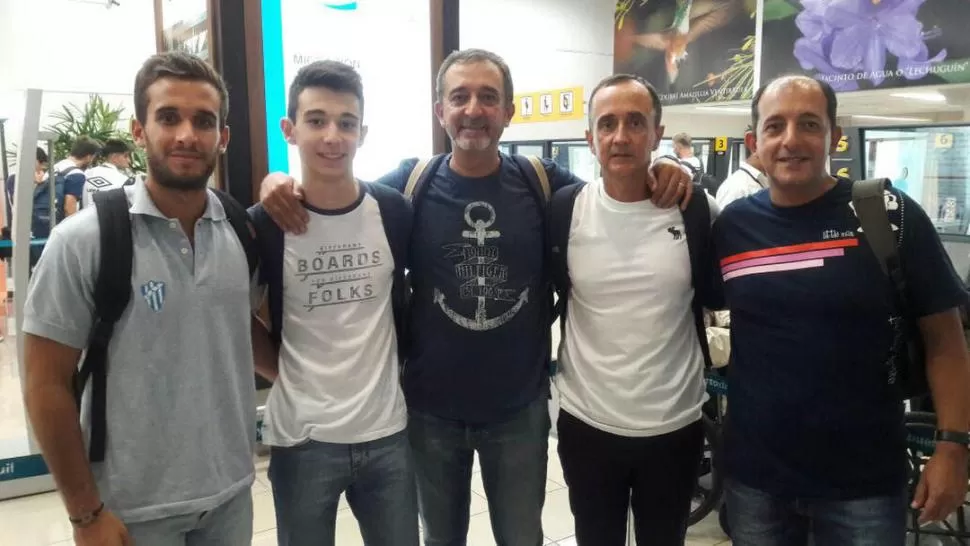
(928, 96)
(892, 118)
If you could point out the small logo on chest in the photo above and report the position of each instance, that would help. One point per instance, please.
(676, 233)
(154, 294)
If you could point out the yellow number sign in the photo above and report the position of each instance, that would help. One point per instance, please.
(843, 145)
(720, 144)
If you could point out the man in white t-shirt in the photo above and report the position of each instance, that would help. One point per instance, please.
(749, 179)
(684, 150)
(336, 416)
(632, 355)
(110, 173)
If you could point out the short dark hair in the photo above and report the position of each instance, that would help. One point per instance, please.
(617, 79)
(468, 56)
(84, 147)
(41, 155)
(115, 146)
(332, 75)
(831, 101)
(181, 66)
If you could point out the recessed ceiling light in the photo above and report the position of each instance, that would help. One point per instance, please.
(892, 118)
(928, 96)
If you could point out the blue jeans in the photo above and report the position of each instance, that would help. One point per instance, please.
(377, 477)
(761, 519)
(228, 525)
(513, 455)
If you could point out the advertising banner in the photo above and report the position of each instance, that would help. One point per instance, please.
(867, 44)
(387, 41)
(692, 51)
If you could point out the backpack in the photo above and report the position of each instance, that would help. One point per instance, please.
(697, 224)
(907, 361)
(112, 293)
(708, 182)
(531, 166)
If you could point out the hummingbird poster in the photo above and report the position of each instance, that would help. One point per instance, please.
(692, 51)
(867, 44)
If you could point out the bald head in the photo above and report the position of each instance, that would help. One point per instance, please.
(801, 82)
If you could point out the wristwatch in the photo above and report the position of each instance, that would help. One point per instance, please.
(952, 436)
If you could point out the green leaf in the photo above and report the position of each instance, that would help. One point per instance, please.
(778, 9)
(956, 71)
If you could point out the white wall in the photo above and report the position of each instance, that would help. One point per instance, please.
(71, 49)
(548, 44)
(699, 124)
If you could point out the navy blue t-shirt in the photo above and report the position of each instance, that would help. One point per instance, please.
(812, 412)
(479, 324)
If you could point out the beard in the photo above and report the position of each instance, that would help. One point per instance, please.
(166, 178)
(469, 143)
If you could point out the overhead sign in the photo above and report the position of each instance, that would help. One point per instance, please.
(552, 105)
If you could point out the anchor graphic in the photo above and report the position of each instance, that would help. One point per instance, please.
(480, 274)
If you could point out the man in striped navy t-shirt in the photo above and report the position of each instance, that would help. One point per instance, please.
(815, 442)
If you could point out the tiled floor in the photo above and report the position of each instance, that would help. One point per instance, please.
(41, 521)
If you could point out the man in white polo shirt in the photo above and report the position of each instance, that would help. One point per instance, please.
(633, 278)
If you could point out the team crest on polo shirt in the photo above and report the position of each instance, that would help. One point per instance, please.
(154, 294)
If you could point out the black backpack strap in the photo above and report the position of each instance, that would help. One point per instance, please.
(245, 231)
(396, 216)
(869, 202)
(270, 240)
(112, 293)
(697, 224)
(559, 221)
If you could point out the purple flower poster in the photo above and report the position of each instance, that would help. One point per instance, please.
(867, 44)
(692, 51)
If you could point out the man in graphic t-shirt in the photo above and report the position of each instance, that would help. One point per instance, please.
(335, 416)
(815, 443)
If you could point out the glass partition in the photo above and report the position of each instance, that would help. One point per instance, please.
(930, 164)
(576, 157)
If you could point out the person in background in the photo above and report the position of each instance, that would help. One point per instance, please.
(747, 180)
(178, 466)
(630, 431)
(476, 377)
(40, 174)
(335, 418)
(815, 445)
(111, 173)
(71, 171)
(684, 151)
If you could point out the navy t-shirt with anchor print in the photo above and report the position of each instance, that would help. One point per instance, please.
(479, 323)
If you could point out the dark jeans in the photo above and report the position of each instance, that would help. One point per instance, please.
(376, 476)
(761, 519)
(603, 470)
(513, 455)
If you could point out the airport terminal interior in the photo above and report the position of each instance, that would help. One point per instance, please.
(67, 69)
